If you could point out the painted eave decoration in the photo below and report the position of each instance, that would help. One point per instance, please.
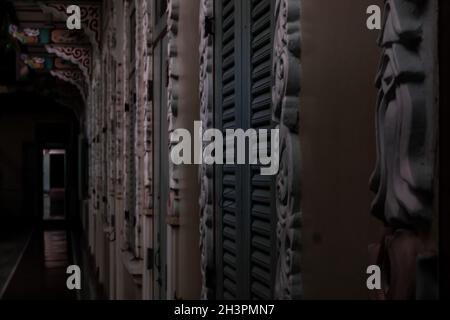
(46, 46)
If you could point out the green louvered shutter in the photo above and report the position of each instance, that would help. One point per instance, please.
(228, 177)
(262, 218)
(245, 233)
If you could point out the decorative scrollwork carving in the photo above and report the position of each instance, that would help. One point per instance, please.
(173, 98)
(74, 77)
(288, 283)
(90, 18)
(80, 56)
(286, 64)
(285, 99)
(206, 175)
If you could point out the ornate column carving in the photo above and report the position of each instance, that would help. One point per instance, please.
(406, 143)
(206, 172)
(173, 97)
(286, 103)
(148, 108)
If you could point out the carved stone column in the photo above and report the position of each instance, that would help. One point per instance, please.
(173, 100)
(286, 103)
(148, 106)
(406, 145)
(206, 172)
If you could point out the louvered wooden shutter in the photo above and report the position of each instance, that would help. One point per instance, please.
(262, 219)
(228, 178)
(245, 228)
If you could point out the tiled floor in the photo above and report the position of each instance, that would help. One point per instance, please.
(41, 274)
(12, 245)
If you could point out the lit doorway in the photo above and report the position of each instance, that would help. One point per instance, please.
(54, 184)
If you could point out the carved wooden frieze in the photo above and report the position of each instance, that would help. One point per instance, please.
(64, 36)
(285, 99)
(90, 18)
(63, 64)
(80, 56)
(173, 100)
(206, 172)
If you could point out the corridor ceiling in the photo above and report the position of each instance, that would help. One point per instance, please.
(49, 57)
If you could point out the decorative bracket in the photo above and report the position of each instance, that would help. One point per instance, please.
(80, 56)
(74, 77)
(90, 18)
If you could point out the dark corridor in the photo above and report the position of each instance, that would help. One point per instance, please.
(35, 248)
